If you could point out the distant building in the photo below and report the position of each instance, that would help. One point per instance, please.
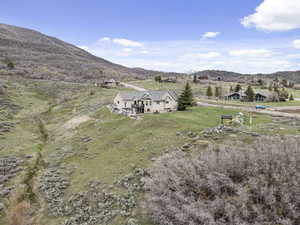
(137, 102)
(199, 78)
(111, 83)
(170, 79)
(241, 95)
(236, 96)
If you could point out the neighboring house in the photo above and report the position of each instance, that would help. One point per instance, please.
(137, 102)
(111, 83)
(259, 96)
(169, 79)
(236, 96)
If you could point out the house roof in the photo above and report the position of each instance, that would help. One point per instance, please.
(242, 93)
(153, 95)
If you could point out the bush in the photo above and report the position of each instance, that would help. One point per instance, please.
(235, 185)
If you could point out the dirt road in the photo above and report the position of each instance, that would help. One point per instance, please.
(133, 87)
(271, 111)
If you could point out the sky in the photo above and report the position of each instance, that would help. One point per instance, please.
(247, 36)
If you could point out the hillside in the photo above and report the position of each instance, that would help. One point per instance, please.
(38, 56)
(71, 161)
(232, 76)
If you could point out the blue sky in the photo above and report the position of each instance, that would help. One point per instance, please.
(247, 36)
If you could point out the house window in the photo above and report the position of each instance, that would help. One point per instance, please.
(148, 110)
(118, 102)
(167, 102)
(125, 104)
(158, 102)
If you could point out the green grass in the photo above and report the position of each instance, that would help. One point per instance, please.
(120, 143)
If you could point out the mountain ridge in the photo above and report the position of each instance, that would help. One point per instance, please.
(39, 56)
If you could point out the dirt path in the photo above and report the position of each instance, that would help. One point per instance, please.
(75, 122)
(133, 87)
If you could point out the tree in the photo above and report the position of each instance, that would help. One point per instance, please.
(209, 92)
(195, 78)
(291, 98)
(218, 92)
(237, 88)
(157, 78)
(270, 87)
(250, 94)
(283, 95)
(231, 89)
(260, 82)
(186, 98)
(10, 65)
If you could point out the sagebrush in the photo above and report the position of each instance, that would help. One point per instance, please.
(234, 184)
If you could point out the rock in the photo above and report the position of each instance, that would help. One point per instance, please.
(186, 146)
(1, 206)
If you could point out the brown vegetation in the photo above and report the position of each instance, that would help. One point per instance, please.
(233, 185)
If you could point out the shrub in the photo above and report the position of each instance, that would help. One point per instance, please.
(233, 185)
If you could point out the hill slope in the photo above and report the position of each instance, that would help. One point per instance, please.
(232, 76)
(42, 57)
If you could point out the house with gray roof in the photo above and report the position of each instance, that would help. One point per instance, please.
(260, 96)
(137, 102)
(111, 83)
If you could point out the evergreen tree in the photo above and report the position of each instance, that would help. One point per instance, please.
(260, 82)
(291, 98)
(10, 65)
(250, 94)
(209, 92)
(237, 88)
(186, 98)
(195, 78)
(218, 92)
(157, 78)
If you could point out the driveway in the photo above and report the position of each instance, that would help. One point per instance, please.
(133, 87)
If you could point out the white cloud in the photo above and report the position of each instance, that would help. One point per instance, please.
(210, 35)
(256, 56)
(86, 48)
(275, 15)
(127, 50)
(126, 43)
(208, 55)
(105, 39)
(251, 53)
(296, 44)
